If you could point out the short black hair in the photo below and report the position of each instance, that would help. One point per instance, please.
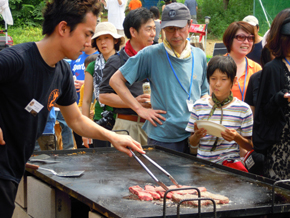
(225, 64)
(73, 12)
(155, 12)
(90, 59)
(136, 18)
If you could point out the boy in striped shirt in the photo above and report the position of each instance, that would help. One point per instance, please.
(222, 108)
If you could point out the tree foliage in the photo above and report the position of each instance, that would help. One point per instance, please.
(27, 12)
(235, 10)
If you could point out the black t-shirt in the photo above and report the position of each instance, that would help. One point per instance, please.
(255, 55)
(271, 108)
(112, 65)
(25, 76)
(253, 88)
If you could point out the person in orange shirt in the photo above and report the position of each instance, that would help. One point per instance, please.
(239, 38)
(134, 4)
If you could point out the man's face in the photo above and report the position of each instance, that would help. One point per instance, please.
(76, 41)
(146, 34)
(177, 36)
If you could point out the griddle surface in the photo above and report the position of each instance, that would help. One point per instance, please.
(109, 173)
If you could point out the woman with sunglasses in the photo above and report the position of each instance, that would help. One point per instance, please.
(239, 38)
(271, 135)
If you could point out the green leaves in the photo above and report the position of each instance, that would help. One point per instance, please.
(221, 18)
(27, 12)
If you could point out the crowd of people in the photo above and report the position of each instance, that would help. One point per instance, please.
(234, 90)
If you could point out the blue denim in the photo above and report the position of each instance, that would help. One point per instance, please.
(66, 132)
(37, 147)
(181, 146)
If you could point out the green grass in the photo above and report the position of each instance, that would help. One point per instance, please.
(25, 34)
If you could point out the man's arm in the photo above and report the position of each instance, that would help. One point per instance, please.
(113, 100)
(117, 82)
(83, 126)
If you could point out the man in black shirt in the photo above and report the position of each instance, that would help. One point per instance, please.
(33, 78)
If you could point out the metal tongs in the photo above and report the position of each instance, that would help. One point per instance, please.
(151, 174)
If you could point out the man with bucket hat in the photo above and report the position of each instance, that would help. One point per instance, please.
(177, 74)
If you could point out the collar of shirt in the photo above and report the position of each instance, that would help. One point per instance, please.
(184, 54)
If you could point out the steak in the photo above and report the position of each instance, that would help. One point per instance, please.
(144, 195)
(156, 193)
(141, 193)
(219, 199)
(177, 198)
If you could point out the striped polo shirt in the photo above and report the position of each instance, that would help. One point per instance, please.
(237, 115)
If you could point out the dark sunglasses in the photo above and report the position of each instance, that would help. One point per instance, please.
(241, 37)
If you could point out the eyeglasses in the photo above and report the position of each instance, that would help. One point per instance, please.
(172, 29)
(241, 37)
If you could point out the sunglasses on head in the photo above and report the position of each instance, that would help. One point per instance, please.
(241, 37)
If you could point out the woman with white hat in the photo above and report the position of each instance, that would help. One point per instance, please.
(107, 42)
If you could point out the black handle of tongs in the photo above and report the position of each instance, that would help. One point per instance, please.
(161, 169)
(149, 172)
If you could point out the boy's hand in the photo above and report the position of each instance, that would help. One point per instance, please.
(229, 135)
(199, 133)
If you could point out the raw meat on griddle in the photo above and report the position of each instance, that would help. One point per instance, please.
(151, 192)
(177, 198)
(143, 194)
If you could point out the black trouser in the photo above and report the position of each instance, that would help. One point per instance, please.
(99, 143)
(8, 190)
(79, 140)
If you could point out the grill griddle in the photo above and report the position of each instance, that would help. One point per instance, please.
(109, 173)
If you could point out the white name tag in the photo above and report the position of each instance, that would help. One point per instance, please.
(34, 107)
(189, 105)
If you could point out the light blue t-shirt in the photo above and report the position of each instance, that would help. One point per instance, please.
(166, 92)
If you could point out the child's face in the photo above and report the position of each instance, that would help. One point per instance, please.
(220, 84)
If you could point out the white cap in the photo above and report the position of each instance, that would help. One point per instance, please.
(251, 20)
